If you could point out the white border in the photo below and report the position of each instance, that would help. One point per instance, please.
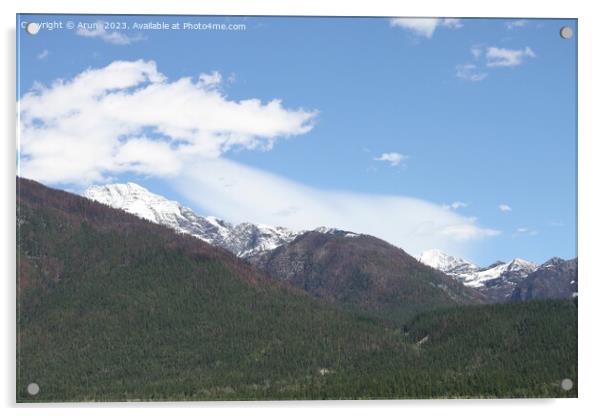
(590, 209)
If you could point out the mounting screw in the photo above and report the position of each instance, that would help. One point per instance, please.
(566, 384)
(566, 32)
(33, 389)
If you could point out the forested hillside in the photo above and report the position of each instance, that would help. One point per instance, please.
(111, 307)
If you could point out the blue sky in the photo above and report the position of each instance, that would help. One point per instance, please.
(476, 112)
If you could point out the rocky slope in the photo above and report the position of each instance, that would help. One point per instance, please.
(556, 278)
(517, 279)
(363, 273)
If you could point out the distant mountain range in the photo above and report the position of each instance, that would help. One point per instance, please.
(344, 268)
(502, 281)
(472, 275)
(285, 253)
(555, 279)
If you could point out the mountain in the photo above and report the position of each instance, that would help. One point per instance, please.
(496, 281)
(499, 281)
(363, 273)
(256, 243)
(244, 240)
(556, 278)
(454, 266)
(111, 307)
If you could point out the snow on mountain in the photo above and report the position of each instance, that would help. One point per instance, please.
(244, 239)
(335, 231)
(454, 266)
(136, 200)
(471, 275)
(248, 240)
(512, 271)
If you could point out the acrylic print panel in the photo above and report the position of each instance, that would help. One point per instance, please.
(266, 208)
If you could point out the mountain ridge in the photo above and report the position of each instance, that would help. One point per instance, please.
(244, 239)
(364, 273)
(512, 280)
(252, 241)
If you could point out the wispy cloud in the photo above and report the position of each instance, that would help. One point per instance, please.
(470, 72)
(505, 208)
(525, 231)
(424, 26)
(455, 205)
(210, 80)
(116, 37)
(393, 158)
(128, 117)
(507, 57)
(494, 57)
(476, 51)
(243, 193)
(516, 24)
(43, 55)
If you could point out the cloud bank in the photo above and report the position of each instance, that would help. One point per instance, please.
(127, 117)
(240, 193)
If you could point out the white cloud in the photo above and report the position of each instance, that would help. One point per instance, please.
(505, 207)
(209, 80)
(507, 57)
(127, 117)
(43, 55)
(241, 193)
(515, 24)
(424, 26)
(116, 37)
(393, 158)
(452, 23)
(470, 72)
(525, 231)
(455, 205)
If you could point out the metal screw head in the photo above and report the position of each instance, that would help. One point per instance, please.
(33, 389)
(566, 384)
(32, 28)
(566, 32)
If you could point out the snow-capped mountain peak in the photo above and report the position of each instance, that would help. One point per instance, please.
(136, 200)
(437, 259)
(455, 266)
(514, 270)
(244, 239)
(471, 275)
